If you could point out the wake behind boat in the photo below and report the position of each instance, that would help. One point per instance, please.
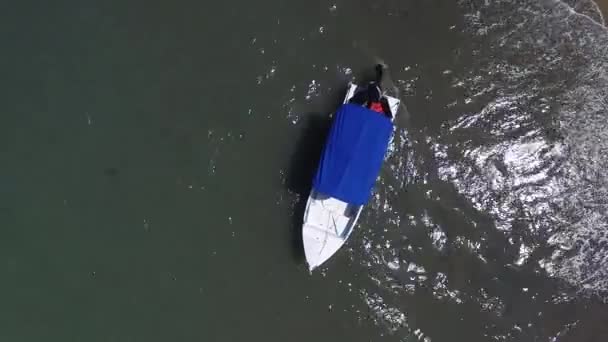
(351, 161)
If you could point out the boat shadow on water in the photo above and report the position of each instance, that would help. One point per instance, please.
(314, 128)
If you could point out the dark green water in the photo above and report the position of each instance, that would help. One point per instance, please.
(139, 193)
(155, 156)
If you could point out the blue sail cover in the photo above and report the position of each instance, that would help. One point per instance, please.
(353, 154)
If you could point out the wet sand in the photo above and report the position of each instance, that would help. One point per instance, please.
(603, 5)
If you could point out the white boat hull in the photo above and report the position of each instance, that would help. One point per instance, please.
(328, 222)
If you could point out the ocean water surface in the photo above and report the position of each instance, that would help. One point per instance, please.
(156, 157)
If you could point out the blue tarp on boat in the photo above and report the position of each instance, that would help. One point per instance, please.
(353, 154)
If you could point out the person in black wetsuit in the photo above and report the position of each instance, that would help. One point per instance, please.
(370, 96)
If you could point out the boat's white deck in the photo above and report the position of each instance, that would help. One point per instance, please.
(327, 224)
(328, 214)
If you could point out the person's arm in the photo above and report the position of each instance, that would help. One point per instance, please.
(386, 108)
(360, 97)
